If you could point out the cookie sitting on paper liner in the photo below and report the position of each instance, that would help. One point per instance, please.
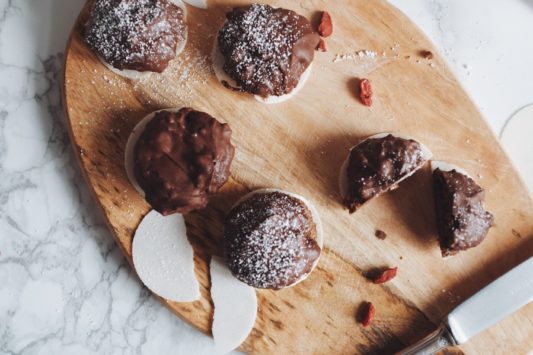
(273, 239)
(462, 220)
(177, 158)
(136, 38)
(377, 165)
(264, 51)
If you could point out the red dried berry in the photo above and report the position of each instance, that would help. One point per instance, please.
(385, 275)
(370, 313)
(321, 47)
(366, 92)
(325, 28)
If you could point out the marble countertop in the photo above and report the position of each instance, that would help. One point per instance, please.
(65, 287)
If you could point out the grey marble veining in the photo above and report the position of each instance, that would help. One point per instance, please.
(65, 287)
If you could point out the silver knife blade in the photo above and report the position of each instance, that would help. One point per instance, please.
(500, 298)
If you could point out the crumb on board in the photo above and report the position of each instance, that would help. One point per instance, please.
(362, 54)
(381, 235)
(427, 54)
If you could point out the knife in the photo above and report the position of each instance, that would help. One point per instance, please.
(502, 297)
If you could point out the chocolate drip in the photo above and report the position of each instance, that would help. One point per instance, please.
(181, 159)
(377, 164)
(140, 35)
(462, 221)
(266, 50)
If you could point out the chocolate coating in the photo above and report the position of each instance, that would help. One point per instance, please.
(271, 240)
(266, 50)
(181, 158)
(377, 164)
(462, 221)
(140, 35)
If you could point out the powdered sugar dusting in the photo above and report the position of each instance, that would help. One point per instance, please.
(355, 55)
(271, 240)
(258, 45)
(139, 35)
(179, 85)
(183, 75)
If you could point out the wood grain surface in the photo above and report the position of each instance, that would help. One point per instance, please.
(299, 146)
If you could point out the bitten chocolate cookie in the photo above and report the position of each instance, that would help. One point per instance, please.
(265, 51)
(178, 158)
(462, 221)
(273, 239)
(136, 36)
(377, 165)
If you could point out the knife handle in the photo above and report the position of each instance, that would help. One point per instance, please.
(439, 339)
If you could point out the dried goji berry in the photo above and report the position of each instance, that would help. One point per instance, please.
(325, 28)
(385, 275)
(366, 92)
(321, 47)
(369, 314)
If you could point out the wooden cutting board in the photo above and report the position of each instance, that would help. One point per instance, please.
(299, 146)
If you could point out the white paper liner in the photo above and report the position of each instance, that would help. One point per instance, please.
(235, 306)
(201, 4)
(164, 258)
(444, 166)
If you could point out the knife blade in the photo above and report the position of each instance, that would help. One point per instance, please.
(503, 296)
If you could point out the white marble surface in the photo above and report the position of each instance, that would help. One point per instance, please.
(64, 286)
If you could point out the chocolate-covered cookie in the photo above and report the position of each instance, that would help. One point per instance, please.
(136, 35)
(273, 239)
(379, 164)
(462, 221)
(179, 158)
(266, 51)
